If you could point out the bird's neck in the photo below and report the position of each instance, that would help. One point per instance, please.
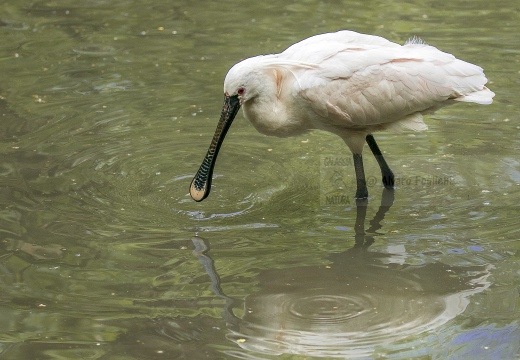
(275, 113)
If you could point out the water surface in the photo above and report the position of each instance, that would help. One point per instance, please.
(106, 112)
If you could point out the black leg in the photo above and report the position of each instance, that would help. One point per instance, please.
(388, 175)
(362, 191)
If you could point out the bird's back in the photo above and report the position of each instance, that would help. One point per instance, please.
(355, 80)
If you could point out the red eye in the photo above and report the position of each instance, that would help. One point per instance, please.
(241, 91)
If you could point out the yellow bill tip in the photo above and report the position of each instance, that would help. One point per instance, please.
(198, 194)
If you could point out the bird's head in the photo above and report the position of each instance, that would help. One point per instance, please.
(246, 79)
(240, 86)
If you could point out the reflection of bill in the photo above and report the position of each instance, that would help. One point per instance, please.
(360, 303)
(37, 252)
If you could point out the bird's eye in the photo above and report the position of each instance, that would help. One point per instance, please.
(241, 91)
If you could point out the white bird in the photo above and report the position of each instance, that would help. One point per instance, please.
(347, 83)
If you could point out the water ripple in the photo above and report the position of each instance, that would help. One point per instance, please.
(344, 312)
(329, 309)
(95, 50)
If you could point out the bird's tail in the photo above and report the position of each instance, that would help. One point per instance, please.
(484, 96)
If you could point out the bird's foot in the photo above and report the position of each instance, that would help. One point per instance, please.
(389, 180)
(361, 193)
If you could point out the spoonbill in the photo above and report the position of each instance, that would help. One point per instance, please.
(347, 83)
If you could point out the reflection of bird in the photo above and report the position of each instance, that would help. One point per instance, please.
(346, 83)
(358, 304)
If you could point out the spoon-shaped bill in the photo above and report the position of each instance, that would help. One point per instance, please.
(201, 184)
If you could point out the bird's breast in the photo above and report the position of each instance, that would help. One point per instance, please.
(275, 118)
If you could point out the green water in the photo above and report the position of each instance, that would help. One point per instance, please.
(107, 109)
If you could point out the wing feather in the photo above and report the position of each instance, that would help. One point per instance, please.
(320, 47)
(382, 82)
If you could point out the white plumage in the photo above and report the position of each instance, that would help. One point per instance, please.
(349, 84)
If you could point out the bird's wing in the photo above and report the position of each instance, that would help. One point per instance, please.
(381, 85)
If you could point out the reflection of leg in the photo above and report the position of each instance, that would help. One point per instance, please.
(365, 239)
(359, 226)
(388, 175)
(387, 200)
(201, 249)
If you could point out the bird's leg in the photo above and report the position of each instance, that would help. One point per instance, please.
(388, 175)
(362, 191)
